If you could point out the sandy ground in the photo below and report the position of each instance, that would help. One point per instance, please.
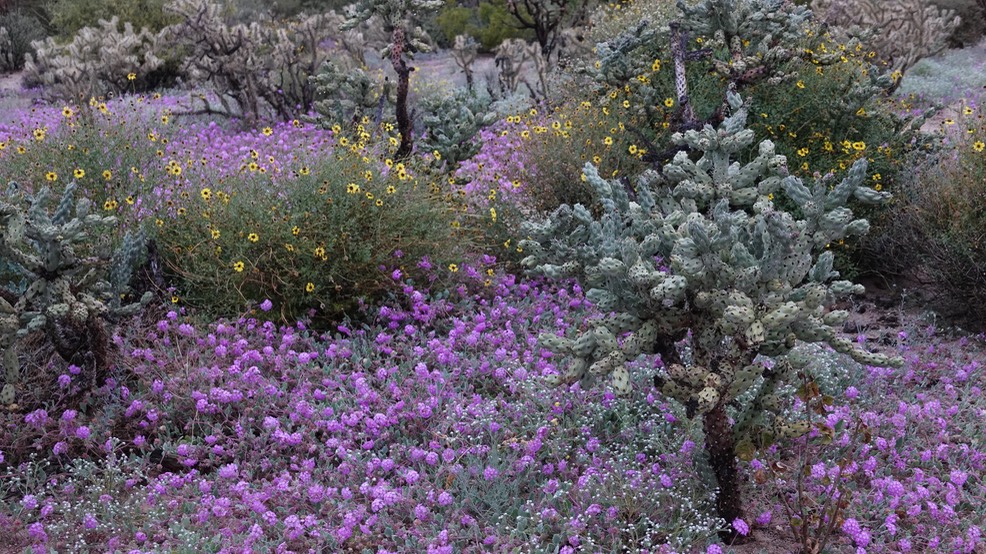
(12, 97)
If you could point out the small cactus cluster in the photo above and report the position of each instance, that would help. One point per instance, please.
(97, 62)
(346, 95)
(68, 291)
(451, 123)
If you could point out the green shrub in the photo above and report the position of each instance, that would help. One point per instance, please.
(597, 131)
(934, 232)
(901, 32)
(69, 16)
(489, 23)
(100, 149)
(19, 31)
(316, 241)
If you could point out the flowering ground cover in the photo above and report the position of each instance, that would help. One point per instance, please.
(430, 430)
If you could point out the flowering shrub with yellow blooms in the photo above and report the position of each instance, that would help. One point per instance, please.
(316, 240)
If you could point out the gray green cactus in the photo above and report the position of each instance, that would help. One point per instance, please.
(70, 293)
(452, 122)
(746, 279)
(344, 96)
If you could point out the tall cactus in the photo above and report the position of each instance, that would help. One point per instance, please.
(746, 279)
(398, 18)
(69, 297)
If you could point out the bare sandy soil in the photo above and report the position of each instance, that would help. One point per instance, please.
(12, 96)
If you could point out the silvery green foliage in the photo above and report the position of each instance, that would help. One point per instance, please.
(617, 62)
(64, 285)
(96, 62)
(451, 123)
(781, 20)
(745, 278)
(345, 95)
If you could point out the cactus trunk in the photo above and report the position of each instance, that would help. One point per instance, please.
(403, 81)
(720, 446)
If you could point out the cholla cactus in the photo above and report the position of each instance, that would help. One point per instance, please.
(257, 69)
(355, 41)
(746, 279)
(745, 42)
(452, 121)
(464, 52)
(98, 61)
(756, 33)
(905, 30)
(406, 38)
(69, 297)
(510, 58)
(344, 96)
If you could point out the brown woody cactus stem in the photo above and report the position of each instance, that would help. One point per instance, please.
(678, 56)
(403, 80)
(722, 456)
